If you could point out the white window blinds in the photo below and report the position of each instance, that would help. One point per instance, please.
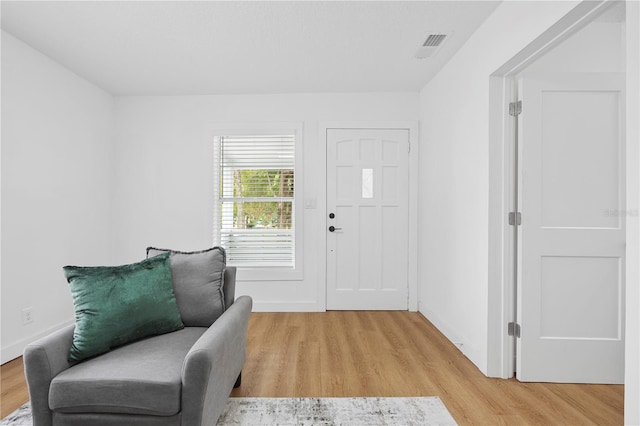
(254, 221)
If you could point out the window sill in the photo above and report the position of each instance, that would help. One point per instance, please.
(275, 274)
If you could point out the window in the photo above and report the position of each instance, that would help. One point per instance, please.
(255, 215)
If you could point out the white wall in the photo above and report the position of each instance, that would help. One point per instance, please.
(454, 168)
(164, 189)
(56, 169)
(598, 47)
(632, 335)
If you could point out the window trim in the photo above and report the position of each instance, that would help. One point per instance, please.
(237, 129)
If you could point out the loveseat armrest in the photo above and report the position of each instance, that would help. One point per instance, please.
(43, 360)
(213, 364)
(229, 288)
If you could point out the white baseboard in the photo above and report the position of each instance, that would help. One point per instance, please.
(472, 353)
(287, 307)
(16, 349)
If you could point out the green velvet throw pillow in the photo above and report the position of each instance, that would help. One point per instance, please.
(115, 305)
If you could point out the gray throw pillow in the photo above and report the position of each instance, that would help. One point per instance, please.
(198, 280)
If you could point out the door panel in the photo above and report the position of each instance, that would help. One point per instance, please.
(588, 286)
(584, 125)
(367, 190)
(572, 240)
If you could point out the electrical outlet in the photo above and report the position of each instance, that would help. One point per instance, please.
(27, 316)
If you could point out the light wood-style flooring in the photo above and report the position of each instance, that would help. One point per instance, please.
(13, 388)
(344, 354)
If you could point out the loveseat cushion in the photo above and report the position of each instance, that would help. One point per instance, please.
(140, 378)
(198, 282)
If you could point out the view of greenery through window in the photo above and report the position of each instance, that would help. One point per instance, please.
(263, 184)
(255, 221)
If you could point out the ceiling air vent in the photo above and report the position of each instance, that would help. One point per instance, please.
(430, 45)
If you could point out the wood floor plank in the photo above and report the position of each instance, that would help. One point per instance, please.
(402, 354)
(13, 388)
(346, 353)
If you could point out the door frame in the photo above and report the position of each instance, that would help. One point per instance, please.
(412, 264)
(500, 346)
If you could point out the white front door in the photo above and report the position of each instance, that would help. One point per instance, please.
(572, 236)
(367, 219)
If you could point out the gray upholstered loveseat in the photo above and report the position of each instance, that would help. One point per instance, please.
(179, 378)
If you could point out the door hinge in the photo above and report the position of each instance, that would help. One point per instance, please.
(513, 329)
(515, 108)
(515, 218)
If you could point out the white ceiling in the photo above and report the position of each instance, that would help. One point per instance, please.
(216, 47)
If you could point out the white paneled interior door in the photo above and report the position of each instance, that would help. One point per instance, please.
(367, 219)
(572, 236)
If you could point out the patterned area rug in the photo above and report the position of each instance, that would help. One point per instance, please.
(315, 411)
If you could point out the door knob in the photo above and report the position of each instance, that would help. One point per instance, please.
(332, 215)
(333, 228)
